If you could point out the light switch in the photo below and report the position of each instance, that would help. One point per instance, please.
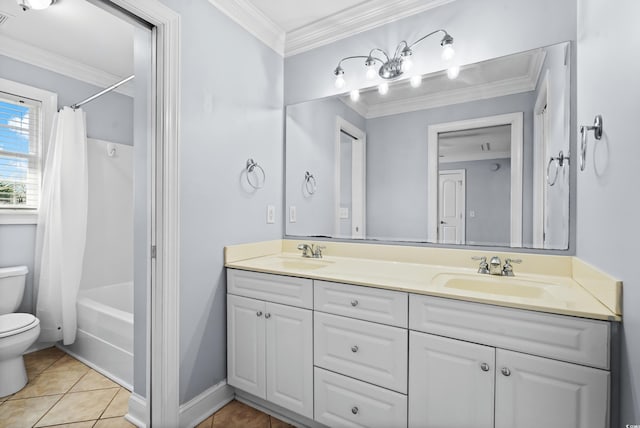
(271, 214)
(344, 212)
(293, 217)
(472, 213)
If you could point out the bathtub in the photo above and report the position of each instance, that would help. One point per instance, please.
(104, 339)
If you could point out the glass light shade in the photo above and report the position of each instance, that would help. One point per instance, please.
(371, 72)
(340, 81)
(383, 88)
(416, 81)
(448, 52)
(37, 4)
(355, 95)
(453, 72)
(407, 63)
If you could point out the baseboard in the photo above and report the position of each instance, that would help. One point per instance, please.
(137, 410)
(97, 368)
(202, 406)
(276, 411)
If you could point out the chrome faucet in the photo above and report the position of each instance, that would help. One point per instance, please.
(495, 266)
(311, 251)
(483, 267)
(507, 269)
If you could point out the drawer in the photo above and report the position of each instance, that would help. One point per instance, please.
(344, 402)
(370, 304)
(565, 338)
(287, 290)
(370, 352)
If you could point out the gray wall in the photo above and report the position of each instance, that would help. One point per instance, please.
(608, 231)
(228, 114)
(397, 159)
(109, 119)
(310, 136)
(488, 195)
(482, 30)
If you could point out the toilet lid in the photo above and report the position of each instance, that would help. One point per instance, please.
(11, 324)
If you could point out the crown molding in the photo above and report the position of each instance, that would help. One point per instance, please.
(354, 20)
(30, 54)
(254, 21)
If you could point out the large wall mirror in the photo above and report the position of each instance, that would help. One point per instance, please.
(476, 160)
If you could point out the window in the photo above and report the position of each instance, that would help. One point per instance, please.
(25, 114)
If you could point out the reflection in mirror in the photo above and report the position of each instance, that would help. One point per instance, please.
(452, 161)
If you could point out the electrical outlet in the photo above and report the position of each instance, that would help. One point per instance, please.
(271, 214)
(293, 216)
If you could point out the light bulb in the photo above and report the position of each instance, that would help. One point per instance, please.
(453, 72)
(38, 4)
(407, 63)
(416, 81)
(371, 72)
(448, 52)
(383, 88)
(340, 81)
(355, 95)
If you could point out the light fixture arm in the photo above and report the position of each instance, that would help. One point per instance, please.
(445, 37)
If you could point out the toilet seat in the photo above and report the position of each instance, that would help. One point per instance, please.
(12, 324)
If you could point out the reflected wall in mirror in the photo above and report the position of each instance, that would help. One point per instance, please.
(465, 161)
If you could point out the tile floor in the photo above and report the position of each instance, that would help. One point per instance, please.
(62, 391)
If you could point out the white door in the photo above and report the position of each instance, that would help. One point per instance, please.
(534, 392)
(451, 383)
(290, 357)
(451, 206)
(246, 344)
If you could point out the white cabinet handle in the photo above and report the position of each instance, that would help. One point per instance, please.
(354, 348)
(267, 315)
(506, 371)
(354, 410)
(354, 303)
(259, 313)
(484, 367)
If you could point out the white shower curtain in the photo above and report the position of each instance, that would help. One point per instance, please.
(62, 227)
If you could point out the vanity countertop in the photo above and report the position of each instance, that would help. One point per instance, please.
(554, 284)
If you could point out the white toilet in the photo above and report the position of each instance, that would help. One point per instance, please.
(17, 331)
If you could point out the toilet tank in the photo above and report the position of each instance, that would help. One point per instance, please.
(12, 281)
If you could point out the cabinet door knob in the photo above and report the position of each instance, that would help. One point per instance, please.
(354, 303)
(484, 367)
(259, 313)
(354, 410)
(354, 348)
(267, 315)
(506, 371)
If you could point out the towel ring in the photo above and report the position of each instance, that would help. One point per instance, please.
(597, 132)
(310, 183)
(560, 163)
(255, 170)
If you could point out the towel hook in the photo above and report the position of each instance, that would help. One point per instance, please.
(560, 163)
(310, 183)
(255, 170)
(597, 132)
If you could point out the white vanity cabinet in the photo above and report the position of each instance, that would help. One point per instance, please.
(270, 345)
(455, 383)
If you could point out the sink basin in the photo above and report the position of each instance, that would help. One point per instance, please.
(495, 285)
(298, 263)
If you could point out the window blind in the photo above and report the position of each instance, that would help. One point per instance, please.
(20, 152)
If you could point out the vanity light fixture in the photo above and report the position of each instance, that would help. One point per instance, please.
(401, 62)
(35, 4)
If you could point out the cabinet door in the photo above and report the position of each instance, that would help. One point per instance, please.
(245, 345)
(451, 383)
(533, 392)
(290, 357)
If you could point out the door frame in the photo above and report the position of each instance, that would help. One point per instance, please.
(463, 204)
(163, 298)
(516, 120)
(540, 138)
(360, 135)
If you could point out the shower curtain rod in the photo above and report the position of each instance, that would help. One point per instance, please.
(99, 94)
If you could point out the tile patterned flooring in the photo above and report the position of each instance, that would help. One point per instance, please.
(63, 392)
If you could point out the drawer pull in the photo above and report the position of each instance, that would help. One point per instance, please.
(506, 371)
(354, 303)
(354, 348)
(484, 367)
(259, 313)
(354, 410)
(267, 315)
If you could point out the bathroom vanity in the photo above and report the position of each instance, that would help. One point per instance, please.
(382, 340)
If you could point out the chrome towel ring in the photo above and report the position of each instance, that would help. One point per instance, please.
(254, 170)
(561, 160)
(310, 183)
(597, 132)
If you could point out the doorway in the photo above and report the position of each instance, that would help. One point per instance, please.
(452, 196)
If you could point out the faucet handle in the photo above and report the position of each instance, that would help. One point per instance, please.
(318, 251)
(509, 261)
(483, 267)
(507, 270)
